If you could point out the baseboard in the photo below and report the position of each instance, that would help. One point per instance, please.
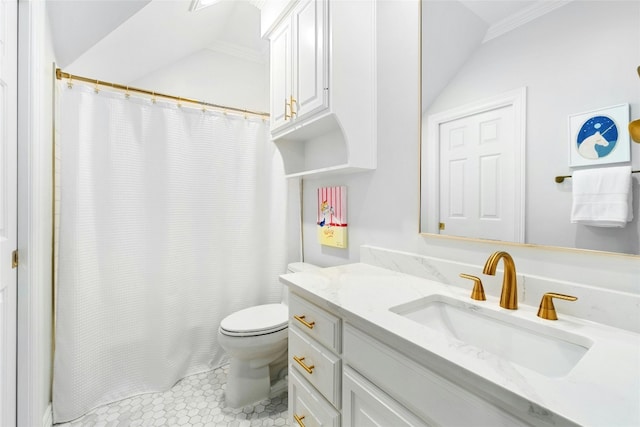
(47, 418)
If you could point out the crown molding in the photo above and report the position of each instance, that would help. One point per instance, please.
(522, 17)
(239, 51)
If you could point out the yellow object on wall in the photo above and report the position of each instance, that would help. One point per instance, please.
(333, 236)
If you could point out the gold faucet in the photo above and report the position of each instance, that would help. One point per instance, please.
(547, 310)
(478, 291)
(509, 295)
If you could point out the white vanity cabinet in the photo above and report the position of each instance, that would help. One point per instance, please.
(392, 370)
(315, 365)
(340, 375)
(323, 86)
(432, 399)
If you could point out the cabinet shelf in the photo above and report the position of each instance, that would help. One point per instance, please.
(318, 148)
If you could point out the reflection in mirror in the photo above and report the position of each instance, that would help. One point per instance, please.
(500, 79)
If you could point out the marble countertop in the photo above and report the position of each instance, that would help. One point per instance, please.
(603, 389)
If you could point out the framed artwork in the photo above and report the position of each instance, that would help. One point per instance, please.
(599, 137)
(332, 216)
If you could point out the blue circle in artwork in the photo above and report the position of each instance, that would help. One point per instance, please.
(597, 137)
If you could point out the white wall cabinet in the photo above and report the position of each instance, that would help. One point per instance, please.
(323, 86)
(299, 65)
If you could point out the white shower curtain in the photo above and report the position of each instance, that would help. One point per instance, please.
(170, 219)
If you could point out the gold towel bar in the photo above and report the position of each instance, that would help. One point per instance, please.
(560, 179)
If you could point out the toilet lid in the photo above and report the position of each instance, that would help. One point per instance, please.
(257, 320)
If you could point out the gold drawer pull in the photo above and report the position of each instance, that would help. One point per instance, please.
(304, 322)
(309, 369)
(299, 419)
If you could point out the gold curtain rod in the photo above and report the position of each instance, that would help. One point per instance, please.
(62, 75)
(560, 179)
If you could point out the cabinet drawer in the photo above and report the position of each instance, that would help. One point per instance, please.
(324, 367)
(319, 324)
(308, 405)
(433, 398)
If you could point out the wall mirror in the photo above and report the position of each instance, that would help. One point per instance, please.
(513, 73)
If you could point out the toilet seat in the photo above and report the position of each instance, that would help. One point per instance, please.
(258, 320)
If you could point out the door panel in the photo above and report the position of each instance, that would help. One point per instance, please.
(8, 209)
(476, 153)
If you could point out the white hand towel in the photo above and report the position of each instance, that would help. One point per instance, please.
(602, 197)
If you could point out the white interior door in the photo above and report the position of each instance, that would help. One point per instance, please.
(8, 209)
(477, 157)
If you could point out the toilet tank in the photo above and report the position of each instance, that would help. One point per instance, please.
(296, 267)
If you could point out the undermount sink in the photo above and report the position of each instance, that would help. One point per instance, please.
(548, 351)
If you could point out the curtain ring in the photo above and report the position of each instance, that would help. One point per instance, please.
(127, 94)
(204, 107)
(95, 89)
(153, 97)
(70, 82)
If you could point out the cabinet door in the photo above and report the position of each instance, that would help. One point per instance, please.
(430, 396)
(310, 53)
(281, 75)
(366, 405)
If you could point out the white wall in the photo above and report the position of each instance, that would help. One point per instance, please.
(215, 77)
(580, 57)
(450, 35)
(35, 118)
(383, 204)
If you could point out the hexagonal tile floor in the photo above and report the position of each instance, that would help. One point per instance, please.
(195, 401)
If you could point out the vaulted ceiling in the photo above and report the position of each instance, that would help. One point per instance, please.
(128, 39)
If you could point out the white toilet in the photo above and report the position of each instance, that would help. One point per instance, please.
(256, 341)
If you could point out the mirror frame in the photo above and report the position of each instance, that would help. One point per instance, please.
(472, 239)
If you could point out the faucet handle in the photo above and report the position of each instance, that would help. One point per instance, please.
(547, 310)
(478, 291)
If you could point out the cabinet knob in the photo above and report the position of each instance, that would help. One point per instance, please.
(547, 310)
(304, 322)
(478, 290)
